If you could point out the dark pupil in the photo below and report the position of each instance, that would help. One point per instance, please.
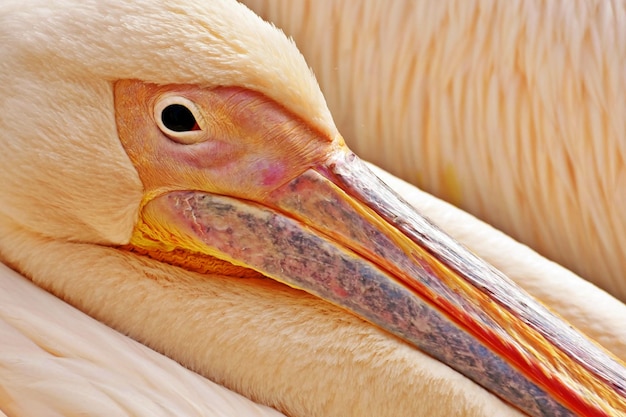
(178, 118)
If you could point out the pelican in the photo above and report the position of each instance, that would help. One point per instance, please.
(159, 198)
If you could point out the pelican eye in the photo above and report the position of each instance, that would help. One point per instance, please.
(180, 120)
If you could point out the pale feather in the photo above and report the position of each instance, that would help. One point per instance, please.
(57, 361)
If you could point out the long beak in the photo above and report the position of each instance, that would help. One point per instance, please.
(338, 232)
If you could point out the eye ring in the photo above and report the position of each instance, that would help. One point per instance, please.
(180, 120)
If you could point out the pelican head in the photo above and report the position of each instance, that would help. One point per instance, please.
(194, 133)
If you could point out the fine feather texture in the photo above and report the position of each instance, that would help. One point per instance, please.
(68, 187)
(57, 361)
(219, 42)
(513, 110)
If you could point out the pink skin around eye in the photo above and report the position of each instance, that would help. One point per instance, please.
(271, 173)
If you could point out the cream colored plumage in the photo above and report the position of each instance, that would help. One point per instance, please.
(513, 110)
(254, 336)
(56, 360)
